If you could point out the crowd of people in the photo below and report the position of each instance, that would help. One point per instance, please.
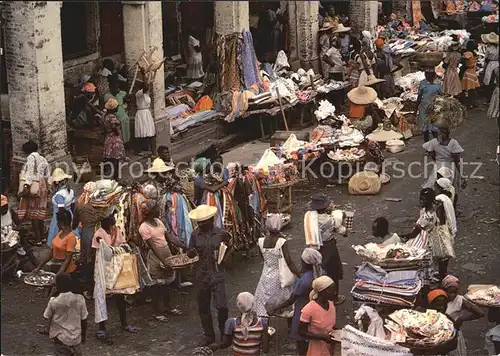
(227, 209)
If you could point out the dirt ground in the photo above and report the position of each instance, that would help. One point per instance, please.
(477, 249)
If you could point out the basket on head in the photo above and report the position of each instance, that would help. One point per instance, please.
(428, 59)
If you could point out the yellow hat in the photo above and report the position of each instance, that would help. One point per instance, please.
(111, 104)
(59, 175)
(202, 212)
(159, 166)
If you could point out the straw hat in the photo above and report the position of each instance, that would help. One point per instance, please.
(381, 135)
(159, 166)
(327, 25)
(202, 212)
(111, 104)
(364, 183)
(491, 37)
(371, 79)
(362, 95)
(59, 175)
(341, 28)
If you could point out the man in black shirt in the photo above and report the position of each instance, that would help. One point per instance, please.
(206, 242)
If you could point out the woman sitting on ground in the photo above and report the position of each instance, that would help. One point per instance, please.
(380, 229)
(247, 333)
(318, 317)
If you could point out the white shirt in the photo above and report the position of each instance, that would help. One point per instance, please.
(65, 314)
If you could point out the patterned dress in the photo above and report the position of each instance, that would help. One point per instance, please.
(470, 81)
(269, 285)
(451, 82)
(121, 113)
(113, 143)
(35, 208)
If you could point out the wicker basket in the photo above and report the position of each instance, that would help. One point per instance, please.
(428, 59)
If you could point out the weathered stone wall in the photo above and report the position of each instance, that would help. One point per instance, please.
(231, 16)
(143, 29)
(364, 14)
(33, 51)
(303, 21)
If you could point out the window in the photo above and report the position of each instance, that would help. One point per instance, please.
(111, 28)
(78, 29)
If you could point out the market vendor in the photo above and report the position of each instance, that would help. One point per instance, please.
(380, 229)
(194, 60)
(360, 102)
(320, 228)
(325, 32)
(333, 58)
(427, 90)
(206, 242)
(175, 206)
(343, 35)
(491, 60)
(202, 168)
(385, 67)
(85, 107)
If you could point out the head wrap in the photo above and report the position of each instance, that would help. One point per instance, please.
(88, 189)
(434, 294)
(245, 303)
(446, 173)
(444, 183)
(366, 34)
(311, 256)
(88, 88)
(319, 285)
(273, 222)
(147, 206)
(379, 42)
(200, 164)
(84, 79)
(150, 191)
(111, 104)
(450, 281)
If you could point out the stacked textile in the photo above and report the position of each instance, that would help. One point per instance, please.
(374, 284)
(106, 194)
(355, 342)
(421, 328)
(377, 253)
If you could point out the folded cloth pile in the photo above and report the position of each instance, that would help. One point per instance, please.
(488, 295)
(331, 86)
(377, 253)
(374, 284)
(107, 193)
(325, 109)
(420, 328)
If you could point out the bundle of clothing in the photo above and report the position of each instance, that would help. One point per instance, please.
(374, 284)
(376, 253)
(116, 272)
(107, 192)
(177, 218)
(229, 216)
(239, 74)
(355, 342)
(246, 190)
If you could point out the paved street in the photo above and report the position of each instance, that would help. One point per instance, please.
(477, 248)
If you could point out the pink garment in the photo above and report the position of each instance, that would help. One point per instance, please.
(320, 321)
(155, 233)
(115, 239)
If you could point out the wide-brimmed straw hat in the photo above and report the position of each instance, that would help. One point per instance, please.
(319, 202)
(59, 175)
(327, 25)
(202, 212)
(362, 95)
(341, 28)
(159, 166)
(491, 37)
(371, 79)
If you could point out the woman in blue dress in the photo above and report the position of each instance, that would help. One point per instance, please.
(426, 92)
(63, 199)
(311, 269)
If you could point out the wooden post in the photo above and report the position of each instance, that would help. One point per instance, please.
(281, 108)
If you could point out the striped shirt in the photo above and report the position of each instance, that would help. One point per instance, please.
(250, 346)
